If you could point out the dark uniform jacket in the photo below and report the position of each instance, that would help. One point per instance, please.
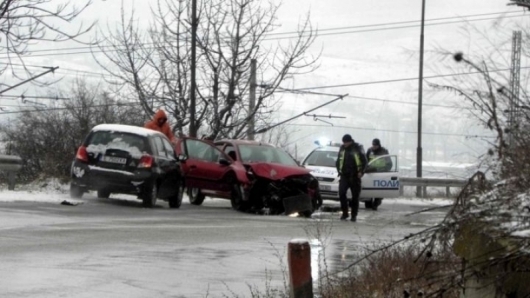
(351, 160)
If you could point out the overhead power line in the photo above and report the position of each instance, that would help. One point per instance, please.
(36, 110)
(67, 108)
(12, 96)
(400, 80)
(394, 130)
(297, 91)
(397, 27)
(101, 49)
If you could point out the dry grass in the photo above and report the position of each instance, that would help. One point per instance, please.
(396, 272)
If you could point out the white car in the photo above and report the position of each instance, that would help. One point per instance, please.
(375, 184)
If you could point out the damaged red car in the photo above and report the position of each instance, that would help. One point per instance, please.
(254, 176)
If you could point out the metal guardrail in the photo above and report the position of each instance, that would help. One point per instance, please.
(10, 164)
(431, 182)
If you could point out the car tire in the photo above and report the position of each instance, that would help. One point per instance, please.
(368, 204)
(176, 201)
(148, 195)
(376, 204)
(236, 199)
(195, 196)
(76, 192)
(103, 194)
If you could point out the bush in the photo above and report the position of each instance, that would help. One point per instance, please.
(396, 271)
(47, 139)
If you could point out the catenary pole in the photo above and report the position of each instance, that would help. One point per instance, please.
(193, 66)
(419, 150)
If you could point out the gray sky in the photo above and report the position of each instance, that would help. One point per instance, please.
(359, 53)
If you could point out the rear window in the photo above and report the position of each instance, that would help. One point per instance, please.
(100, 141)
(322, 158)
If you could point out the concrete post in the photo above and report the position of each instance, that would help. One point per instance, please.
(11, 180)
(299, 259)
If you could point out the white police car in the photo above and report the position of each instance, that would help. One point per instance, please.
(376, 183)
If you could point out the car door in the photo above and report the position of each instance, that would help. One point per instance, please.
(379, 182)
(205, 166)
(168, 168)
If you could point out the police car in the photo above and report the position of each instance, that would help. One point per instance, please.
(376, 182)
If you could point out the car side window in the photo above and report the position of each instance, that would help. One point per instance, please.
(202, 151)
(385, 164)
(160, 151)
(170, 151)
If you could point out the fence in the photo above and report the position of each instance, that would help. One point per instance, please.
(423, 183)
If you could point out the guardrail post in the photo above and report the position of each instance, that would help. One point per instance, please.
(401, 190)
(447, 191)
(11, 181)
(299, 259)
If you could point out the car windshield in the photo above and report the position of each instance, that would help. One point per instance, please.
(322, 158)
(257, 153)
(100, 141)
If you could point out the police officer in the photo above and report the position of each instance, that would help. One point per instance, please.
(350, 164)
(382, 164)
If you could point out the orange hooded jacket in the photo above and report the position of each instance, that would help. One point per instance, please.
(163, 128)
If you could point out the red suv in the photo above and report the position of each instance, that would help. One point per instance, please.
(255, 176)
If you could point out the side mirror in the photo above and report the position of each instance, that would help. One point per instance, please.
(182, 157)
(224, 162)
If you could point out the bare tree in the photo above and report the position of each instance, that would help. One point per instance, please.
(24, 23)
(230, 35)
(47, 138)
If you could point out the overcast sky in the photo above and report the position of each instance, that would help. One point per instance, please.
(360, 53)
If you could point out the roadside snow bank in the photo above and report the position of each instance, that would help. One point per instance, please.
(49, 190)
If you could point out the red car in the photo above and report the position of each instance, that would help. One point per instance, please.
(255, 176)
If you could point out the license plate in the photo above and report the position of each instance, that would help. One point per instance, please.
(325, 187)
(112, 159)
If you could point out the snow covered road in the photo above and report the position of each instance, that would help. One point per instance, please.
(117, 248)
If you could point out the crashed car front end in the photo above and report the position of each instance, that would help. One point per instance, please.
(276, 192)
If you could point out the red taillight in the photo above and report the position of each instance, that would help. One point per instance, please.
(82, 154)
(146, 161)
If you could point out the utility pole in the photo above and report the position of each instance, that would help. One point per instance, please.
(252, 100)
(419, 150)
(515, 75)
(193, 129)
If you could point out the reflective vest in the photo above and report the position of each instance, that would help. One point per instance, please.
(355, 156)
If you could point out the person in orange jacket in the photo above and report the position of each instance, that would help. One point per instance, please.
(159, 123)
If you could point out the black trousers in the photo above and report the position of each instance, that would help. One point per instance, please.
(354, 184)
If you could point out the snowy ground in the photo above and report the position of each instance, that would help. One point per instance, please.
(116, 248)
(52, 191)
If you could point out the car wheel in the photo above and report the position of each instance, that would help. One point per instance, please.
(103, 194)
(176, 201)
(377, 203)
(76, 192)
(195, 196)
(148, 195)
(368, 204)
(236, 199)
